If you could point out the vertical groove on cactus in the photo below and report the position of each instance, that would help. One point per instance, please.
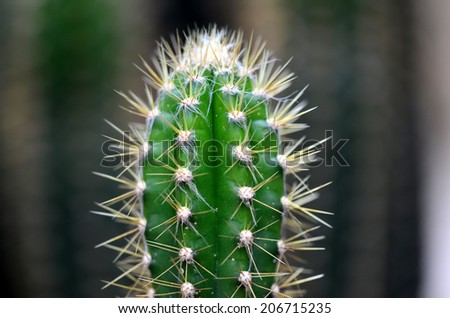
(206, 176)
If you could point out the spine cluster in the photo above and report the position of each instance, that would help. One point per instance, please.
(213, 200)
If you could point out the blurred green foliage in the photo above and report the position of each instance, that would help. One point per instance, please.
(77, 48)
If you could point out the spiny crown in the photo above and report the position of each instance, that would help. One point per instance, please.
(224, 53)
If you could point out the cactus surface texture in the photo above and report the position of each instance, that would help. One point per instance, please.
(212, 197)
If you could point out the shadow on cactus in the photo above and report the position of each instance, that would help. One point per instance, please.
(213, 200)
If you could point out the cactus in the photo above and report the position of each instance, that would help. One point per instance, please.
(212, 198)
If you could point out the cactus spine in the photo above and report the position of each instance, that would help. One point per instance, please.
(207, 198)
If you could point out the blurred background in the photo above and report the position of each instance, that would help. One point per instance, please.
(378, 70)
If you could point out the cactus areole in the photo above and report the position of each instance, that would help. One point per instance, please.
(212, 199)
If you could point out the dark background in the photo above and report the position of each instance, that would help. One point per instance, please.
(60, 61)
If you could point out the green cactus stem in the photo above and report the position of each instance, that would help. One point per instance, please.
(206, 175)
